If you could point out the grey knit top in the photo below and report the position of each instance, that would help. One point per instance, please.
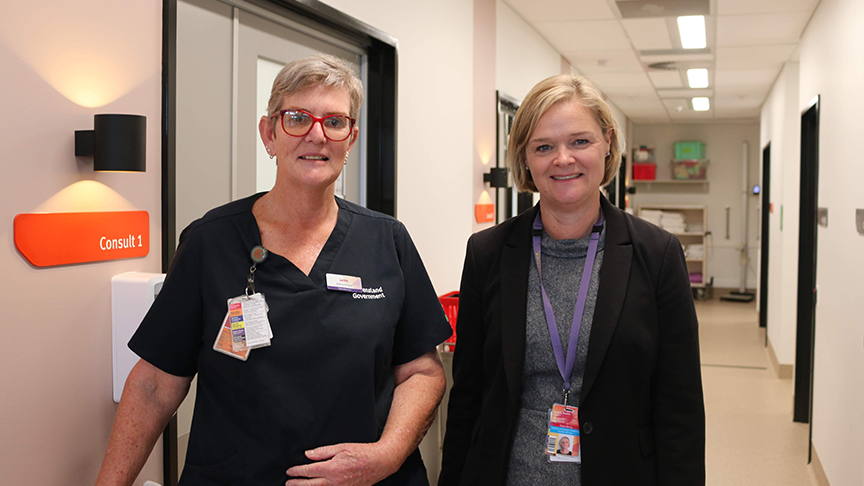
(563, 262)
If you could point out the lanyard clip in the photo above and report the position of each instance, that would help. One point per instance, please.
(566, 396)
(250, 281)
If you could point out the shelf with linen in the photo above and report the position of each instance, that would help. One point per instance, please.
(689, 224)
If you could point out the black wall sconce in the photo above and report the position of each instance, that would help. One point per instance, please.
(496, 177)
(117, 143)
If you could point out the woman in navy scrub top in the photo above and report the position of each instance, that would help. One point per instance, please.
(351, 379)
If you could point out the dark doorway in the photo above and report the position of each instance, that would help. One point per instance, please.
(617, 189)
(765, 192)
(807, 264)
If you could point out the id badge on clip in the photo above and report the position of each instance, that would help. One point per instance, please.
(224, 343)
(562, 437)
(250, 327)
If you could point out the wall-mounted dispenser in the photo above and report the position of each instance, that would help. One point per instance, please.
(132, 293)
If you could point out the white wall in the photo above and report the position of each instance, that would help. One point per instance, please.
(434, 133)
(723, 147)
(781, 127)
(523, 57)
(62, 63)
(831, 51)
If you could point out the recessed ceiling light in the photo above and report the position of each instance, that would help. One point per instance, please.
(698, 78)
(692, 30)
(701, 104)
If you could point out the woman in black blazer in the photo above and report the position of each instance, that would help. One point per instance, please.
(635, 376)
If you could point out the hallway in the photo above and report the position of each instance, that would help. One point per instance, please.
(751, 438)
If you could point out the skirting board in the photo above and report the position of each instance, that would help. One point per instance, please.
(782, 371)
(816, 470)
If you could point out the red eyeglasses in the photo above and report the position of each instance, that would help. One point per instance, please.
(298, 123)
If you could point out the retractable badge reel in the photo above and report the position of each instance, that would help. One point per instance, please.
(246, 326)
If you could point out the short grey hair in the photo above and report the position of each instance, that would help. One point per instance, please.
(318, 70)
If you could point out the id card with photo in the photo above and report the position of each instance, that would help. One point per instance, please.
(562, 437)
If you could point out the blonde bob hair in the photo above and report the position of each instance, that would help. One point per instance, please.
(319, 70)
(558, 89)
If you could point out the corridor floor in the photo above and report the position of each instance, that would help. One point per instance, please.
(751, 438)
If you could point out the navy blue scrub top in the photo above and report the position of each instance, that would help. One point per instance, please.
(327, 377)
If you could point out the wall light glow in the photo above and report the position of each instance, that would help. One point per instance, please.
(484, 151)
(692, 30)
(85, 196)
(484, 198)
(84, 49)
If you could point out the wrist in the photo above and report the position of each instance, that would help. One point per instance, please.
(392, 453)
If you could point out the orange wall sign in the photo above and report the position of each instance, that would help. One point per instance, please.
(63, 238)
(484, 213)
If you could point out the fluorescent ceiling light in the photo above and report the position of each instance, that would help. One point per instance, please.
(701, 104)
(692, 30)
(698, 78)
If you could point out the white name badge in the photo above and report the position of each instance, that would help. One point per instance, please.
(345, 283)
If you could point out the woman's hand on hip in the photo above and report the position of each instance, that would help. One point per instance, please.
(349, 464)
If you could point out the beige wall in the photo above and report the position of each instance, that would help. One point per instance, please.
(831, 50)
(523, 57)
(62, 63)
(723, 146)
(485, 103)
(781, 126)
(435, 124)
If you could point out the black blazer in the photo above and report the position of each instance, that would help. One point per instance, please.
(641, 409)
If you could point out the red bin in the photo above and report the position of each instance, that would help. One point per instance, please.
(644, 172)
(450, 303)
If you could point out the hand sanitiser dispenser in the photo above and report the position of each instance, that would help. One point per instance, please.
(132, 293)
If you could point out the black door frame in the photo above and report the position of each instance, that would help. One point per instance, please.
(807, 240)
(765, 203)
(381, 85)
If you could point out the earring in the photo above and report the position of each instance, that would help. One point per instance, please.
(608, 153)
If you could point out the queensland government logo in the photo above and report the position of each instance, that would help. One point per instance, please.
(370, 294)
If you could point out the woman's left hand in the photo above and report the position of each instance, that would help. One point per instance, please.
(347, 464)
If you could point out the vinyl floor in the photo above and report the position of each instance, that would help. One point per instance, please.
(751, 438)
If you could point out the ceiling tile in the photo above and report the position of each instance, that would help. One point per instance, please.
(770, 29)
(662, 8)
(756, 91)
(684, 93)
(739, 101)
(636, 103)
(648, 34)
(749, 77)
(648, 116)
(737, 7)
(588, 62)
(754, 57)
(676, 105)
(643, 91)
(737, 113)
(666, 79)
(606, 81)
(584, 36)
(692, 115)
(682, 57)
(540, 10)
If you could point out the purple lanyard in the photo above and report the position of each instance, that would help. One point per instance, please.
(567, 369)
